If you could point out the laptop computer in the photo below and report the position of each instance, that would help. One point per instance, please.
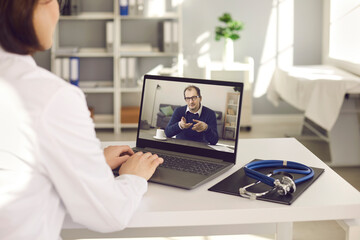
(161, 96)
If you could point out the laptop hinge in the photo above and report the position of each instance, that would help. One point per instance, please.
(190, 156)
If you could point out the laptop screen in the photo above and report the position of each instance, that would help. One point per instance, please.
(193, 116)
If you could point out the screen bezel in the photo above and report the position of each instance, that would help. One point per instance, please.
(225, 156)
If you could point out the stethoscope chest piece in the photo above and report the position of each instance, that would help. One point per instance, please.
(285, 186)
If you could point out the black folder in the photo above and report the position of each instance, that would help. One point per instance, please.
(231, 185)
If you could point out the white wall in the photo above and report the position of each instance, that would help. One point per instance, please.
(200, 19)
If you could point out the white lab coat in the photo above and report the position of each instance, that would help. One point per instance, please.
(51, 162)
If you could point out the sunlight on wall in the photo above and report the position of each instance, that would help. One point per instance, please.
(285, 51)
(204, 49)
(268, 59)
(203, 59)
(278, 44)
(203, 37)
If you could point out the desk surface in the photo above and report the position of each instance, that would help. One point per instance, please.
(330, 197)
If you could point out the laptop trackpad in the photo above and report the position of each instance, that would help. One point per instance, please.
(176, 178)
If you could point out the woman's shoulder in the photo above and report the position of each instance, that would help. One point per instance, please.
(37, 86)
(47, 84)
(48, 78)
(49, 81)
(23, 73)
(52, 85)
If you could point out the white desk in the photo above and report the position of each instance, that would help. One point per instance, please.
(167, 211)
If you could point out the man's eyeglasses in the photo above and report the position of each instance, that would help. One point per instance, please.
(193, 98)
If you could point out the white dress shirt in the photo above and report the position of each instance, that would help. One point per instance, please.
(199, 111)
(51, 162)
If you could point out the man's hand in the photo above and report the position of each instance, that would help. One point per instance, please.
(185, 125)
(116, 155)
(141, 164)
(199, 126)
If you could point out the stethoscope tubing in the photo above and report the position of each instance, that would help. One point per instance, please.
(293, 167)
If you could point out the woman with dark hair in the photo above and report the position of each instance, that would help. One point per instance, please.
(51, 162)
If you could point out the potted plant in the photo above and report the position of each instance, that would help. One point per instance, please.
(231, 33)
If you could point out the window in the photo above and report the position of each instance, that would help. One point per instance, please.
(342, 25)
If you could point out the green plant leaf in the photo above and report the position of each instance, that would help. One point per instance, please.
(235, 25)
(230, 30)
(220, 31)
(234, 36)
(225, 18)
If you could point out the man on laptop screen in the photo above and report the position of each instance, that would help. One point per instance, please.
(193, 121)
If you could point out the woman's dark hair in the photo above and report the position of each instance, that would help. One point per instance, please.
(17, 32)
(193, 87)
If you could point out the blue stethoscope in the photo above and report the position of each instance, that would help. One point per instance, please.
(285, 186)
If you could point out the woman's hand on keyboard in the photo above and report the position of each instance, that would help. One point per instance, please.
(117, 155)
(141, 164)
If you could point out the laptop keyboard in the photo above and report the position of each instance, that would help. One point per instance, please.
(185, 165)
(188, 165)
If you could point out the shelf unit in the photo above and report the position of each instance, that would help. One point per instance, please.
(231, 111)
(99, 68)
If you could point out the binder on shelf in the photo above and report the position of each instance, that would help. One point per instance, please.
(167, 36)
(175, 37)
(122, 74)
(128, 72)
(132, 8)
(65, 68)
(110, 36)
(58, 70)
(131, 80)
(124, 7)
(140, 7)
(74, 70)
